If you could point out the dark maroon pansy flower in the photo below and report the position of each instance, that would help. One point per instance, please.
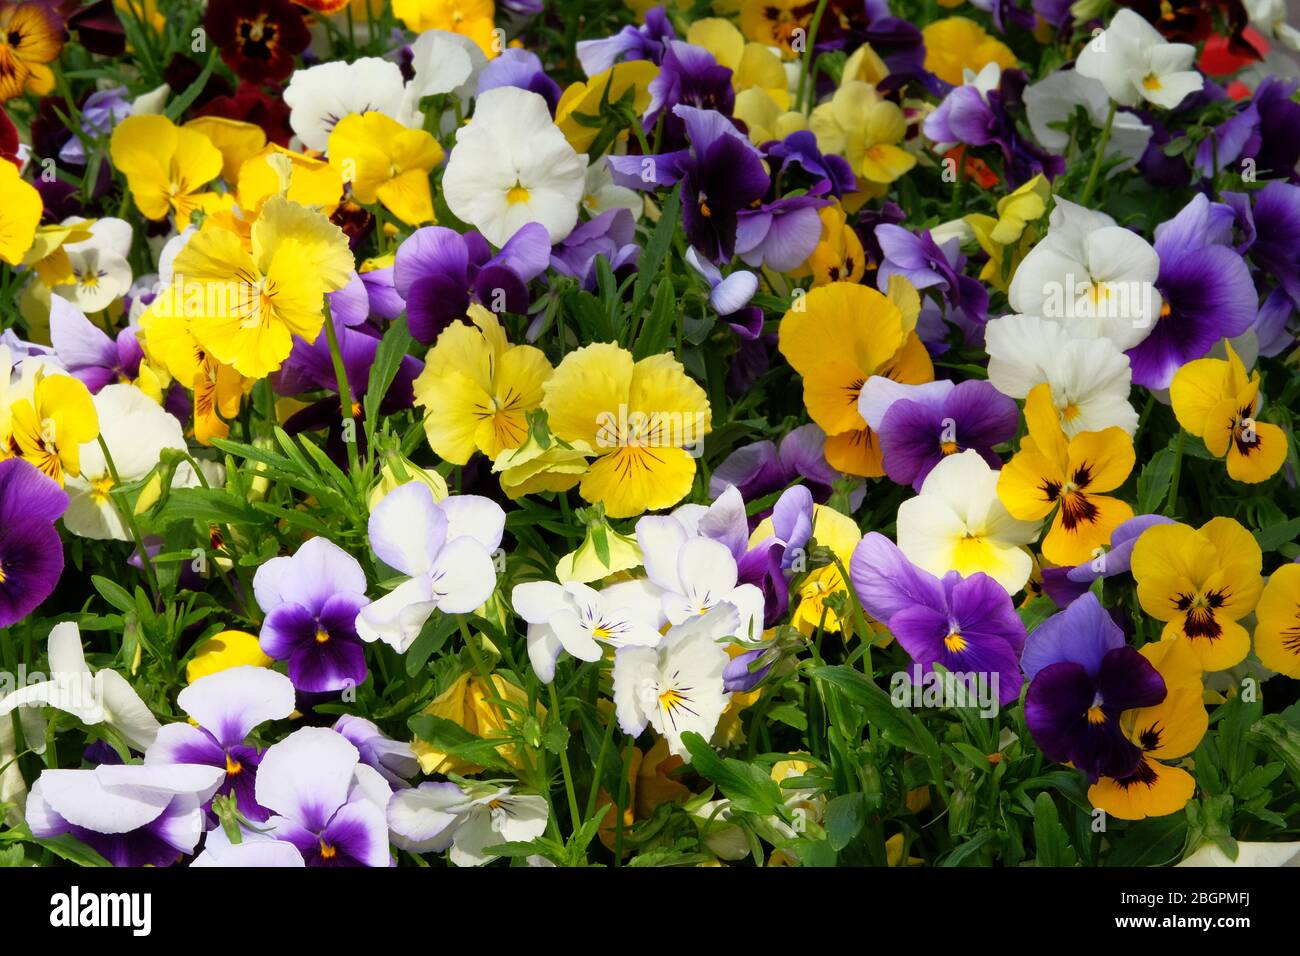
(258, 38)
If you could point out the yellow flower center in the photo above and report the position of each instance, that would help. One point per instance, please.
(671, 699)
(1151, 82)
(2, 574)
(600, 633)
(327, 852)
(1070, 412)
(1098, 292)
(322, 635)
(1096, 715)
(955, 642)
(99, 489)
(948, 447)
(233, 766)
(518, 193)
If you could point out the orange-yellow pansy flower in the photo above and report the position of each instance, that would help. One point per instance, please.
(1277, 622)
(31, 38)
(956, 44)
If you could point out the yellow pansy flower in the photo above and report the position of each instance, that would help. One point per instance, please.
(223, 651)
(779, 23)
(245, 307)
(840, 534)
(639, 417)
(752, 65)
(470, 704)
(1009, 231)
(31, 38)
(836, 337)
(1200, 582)
(48, 428)
(764, 119)
(607, 86)
(956, 44)
(1277, 622)
(478, 389)
(584, 564)
(237, 141)
(388, 163)
(276, 171)
(1215, 401)
(530, 468)
(471, 18)
(864, 64)
(399, 470)
(165, 165)
(1171, 729)
(1069, 475)
(20, 214)
(865, 129)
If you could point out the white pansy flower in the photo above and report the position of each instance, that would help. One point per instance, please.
(1136, 64)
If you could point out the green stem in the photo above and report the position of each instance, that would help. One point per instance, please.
(806, 62)
(1093, 173)
(594, 793)
(575, 817)
(128, 517)
(1172, 504)
(345, 392)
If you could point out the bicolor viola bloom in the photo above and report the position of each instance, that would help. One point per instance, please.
(258, 39)
(130, 814)
(1067, 583)
(1206, 290)
(576, 618)
(1201, 582)
(439, 273)
(1169, 730)
(645, 42)
(1090, 378)
(1070, 475)
(1082, 678)
(721, 173)
(1135, 63)
(436, 817)
(927, 264)
(920, 425)
(320, 96)
(697, 574)
(311, 601)
(316, 788)
(100, 272)
(677, 686)
(688, 75)
(393, 759)
(956, 523)
(31, 553)
(224, 708)
(1215, 401)
(1277, 621)
(966, 624)
(90, 355)
(444, 548)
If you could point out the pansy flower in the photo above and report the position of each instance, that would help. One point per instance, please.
(1277, 622)
(439, 273)
(1201, 583)
(776, 23)
(437, 817)
(165, 165)
(31, 38)
(956, 44)
(311, 601)
(478, 390)
(31, 554)
(644, 42)
(965, 624)
(469, 18)
(386, 162)
(393, 759)
(224, 708)
(1135, 64)
(1064, 584)
(640, 417)
(920, 425)
(956, 523)
(1070, 475)
(444, 548)
(629, 83)
(865, 129)
(1215, 401)
(1082, 678)
(50, 423)
(19, 216)
(258, 39)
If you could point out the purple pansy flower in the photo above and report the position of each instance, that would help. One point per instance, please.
(646, 42)
(439, 272)
(394, 760)
(612, 234)
(523, 69)
(688, 76)
(130, 814)
(312, 782)
(1271, 233)
(761, 467)
(925, 264)
(1064, 585)
(920, 425)
(311, 602)
(721, 173)
(31, 554)
(224, 708)
(1082, 678)
(800, 149)
(966, 624)
(1207, 291)
(1264, 129)
(88, 353)
(101, 112)
(780, 234)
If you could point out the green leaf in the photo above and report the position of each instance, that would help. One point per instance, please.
(388, 360)
(843, 819)
(656, 249)
(432, 637)
(69, 848)
(1153, 483)
(1050, 838)
(177, 107)
(898, 725)
(746, 785)
(210, 505)
(1274, 536)
(656, 334)
(113, 593)
(1156, 841)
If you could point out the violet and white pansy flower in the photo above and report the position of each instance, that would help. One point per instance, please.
(131, 814)
(1090, 379)
(726, 295)
(696, 574)
(224, 708)
(577, 618)
(103, 697)
(1092, 275)
(436, 817)
(677, 686)
(253, 850)
(393, 759)
(314, 784)
(311, 602)
(87, 352)
(445, 548)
